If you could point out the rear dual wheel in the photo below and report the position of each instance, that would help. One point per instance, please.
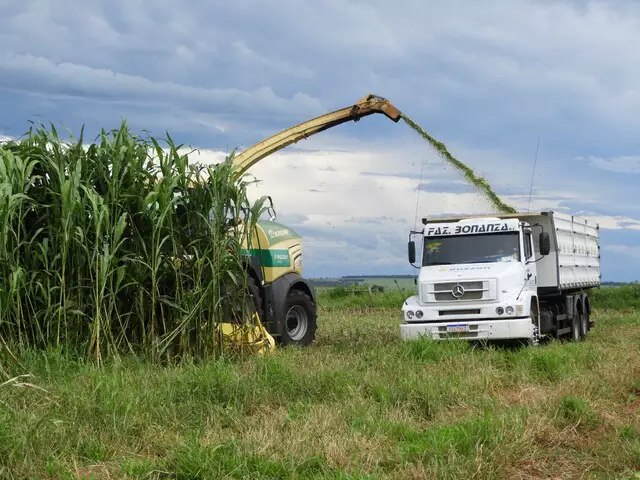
(580, 325)
(584, 323)
(576, 335)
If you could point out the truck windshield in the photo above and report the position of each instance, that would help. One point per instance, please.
(481, 248)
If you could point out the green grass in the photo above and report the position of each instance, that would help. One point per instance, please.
(359, 403)
(341, 298)
(622, 297)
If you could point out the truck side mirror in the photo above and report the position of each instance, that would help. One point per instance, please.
(412, 252)
(545, 243)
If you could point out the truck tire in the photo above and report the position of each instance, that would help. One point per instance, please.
(584, 323)
(532, 342)
(576, 326)
(300, 319)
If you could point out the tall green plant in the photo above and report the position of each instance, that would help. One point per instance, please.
(119, 245)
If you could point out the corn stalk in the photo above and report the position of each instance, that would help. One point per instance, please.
(121, 245)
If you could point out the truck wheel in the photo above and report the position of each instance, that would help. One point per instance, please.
(584, 324)
(300, 319)
(535, 340)
(576, 334)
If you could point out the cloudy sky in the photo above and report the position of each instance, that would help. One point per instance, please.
(490, 79)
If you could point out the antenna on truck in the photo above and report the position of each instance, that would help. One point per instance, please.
(533, 173)
(415, 221)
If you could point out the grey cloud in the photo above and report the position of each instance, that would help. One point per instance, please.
(413, 175)
(27, 73)
(448, 187)
(621, 164)
(292, 219)
(373, 220)
(633, 251)
(484, 77)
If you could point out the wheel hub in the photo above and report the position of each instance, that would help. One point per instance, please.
(297, 322)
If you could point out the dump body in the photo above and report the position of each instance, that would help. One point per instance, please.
(490, 278)
(577, 254)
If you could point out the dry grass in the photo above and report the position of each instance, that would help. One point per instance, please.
(357, 404)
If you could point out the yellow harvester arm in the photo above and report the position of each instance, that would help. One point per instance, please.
(366, 106)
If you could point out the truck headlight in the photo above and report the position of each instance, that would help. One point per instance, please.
(499, 310)
(419, 314)
(409, 314)
(509, 310)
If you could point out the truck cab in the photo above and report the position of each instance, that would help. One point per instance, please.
(489, 278)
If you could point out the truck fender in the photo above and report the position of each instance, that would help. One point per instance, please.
(533, 301)
(276, 297)
(526, 300)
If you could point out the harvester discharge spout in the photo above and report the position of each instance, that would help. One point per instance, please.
(367, 105)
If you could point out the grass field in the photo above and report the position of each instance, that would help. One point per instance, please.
(359, 403)
(389, 283)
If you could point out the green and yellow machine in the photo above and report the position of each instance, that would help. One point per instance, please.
(284, 301)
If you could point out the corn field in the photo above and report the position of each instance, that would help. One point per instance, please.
(118, 246)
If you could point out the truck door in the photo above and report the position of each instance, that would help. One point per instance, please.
(529, 259)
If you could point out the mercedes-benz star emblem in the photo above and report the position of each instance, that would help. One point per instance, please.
(458, 291)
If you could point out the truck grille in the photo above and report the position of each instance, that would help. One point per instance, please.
(443, 292)
(467, 311)
(457, 291)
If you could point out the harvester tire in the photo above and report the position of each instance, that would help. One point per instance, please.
(300, 319)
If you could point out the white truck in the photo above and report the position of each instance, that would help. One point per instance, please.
(517, 276)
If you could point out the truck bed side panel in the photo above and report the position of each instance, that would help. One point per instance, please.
(578, 247)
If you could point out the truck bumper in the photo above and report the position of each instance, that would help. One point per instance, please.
(498, 329)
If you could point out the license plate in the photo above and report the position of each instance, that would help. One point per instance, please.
(458, 328)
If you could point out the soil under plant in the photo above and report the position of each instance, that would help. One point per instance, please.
(480, 183)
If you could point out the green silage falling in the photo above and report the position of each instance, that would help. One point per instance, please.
(480, 183)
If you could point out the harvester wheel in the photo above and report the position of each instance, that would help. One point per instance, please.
(300, 319)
